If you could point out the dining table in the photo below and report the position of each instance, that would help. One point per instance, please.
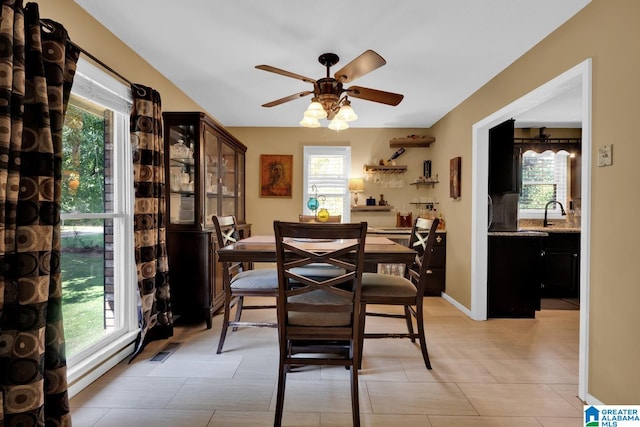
(262, 248)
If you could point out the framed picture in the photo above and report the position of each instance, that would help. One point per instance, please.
(454, 177)
(276, 175)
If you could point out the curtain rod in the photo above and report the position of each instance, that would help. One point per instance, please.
(49, 25)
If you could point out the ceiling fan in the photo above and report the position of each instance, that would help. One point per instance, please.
(328, 100)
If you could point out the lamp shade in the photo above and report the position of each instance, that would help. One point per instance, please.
(309, 122)
(356, 184)
(346, 113)
(337, 124)
(315, 111)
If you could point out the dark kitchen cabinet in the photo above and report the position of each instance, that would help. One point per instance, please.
(561, 266)
(503, 159)
(436, 283)
(205, 176)
(513, 277)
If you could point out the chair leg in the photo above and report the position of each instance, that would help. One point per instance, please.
(363, 316)
(421, 334)
(355, 402)
(282, 379)
(238, 311)
(225, 323)
(409, 318)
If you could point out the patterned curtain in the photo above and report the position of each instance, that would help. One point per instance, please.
(156, 320)
(38, 67)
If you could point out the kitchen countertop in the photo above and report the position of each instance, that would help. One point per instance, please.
(535, 231)
(394, 230)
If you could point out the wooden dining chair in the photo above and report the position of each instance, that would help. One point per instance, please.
(318, 316)
(312, 218)
(239, 282)
(385, 289)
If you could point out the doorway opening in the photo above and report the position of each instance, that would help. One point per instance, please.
(578, 75)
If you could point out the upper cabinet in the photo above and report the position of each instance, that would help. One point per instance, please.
(205, 171)
(503, 162)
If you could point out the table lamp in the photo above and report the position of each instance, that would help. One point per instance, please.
(356, 185)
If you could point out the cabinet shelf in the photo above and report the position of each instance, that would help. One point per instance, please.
(187, 161)
(385, 169)
(419, 183)
(365, 208)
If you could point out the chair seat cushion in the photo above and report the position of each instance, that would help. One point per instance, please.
(375, 284)
(320, 318)
(266, 278)
(319, 270)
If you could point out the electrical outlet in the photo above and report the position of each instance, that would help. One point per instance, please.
(604, 155)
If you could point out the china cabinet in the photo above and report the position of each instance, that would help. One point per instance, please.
(205, 176)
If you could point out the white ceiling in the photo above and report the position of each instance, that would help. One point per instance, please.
(438, 52)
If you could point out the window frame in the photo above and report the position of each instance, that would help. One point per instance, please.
(318, 151)
(561, 181)
(88, 364)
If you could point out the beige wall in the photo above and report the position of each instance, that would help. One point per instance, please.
(606, 31)
(365, 144)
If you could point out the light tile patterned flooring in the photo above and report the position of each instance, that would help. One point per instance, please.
(498, 373)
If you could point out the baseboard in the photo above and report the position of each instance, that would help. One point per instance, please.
(457, 305)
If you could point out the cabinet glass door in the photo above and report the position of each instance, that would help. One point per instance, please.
(182, 175)
(228, 178)
(213, 190)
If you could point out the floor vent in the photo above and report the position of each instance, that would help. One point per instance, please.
(167, 351)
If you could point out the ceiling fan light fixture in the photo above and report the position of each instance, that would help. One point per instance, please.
(337, 124)
(309, 122)
(346, 112)
(315, 110)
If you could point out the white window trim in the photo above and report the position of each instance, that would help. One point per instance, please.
(553, 212)
(85, 367)
(313, 150)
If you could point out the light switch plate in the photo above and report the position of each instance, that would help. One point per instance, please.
(604, 155)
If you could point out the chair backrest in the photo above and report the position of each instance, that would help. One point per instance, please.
(311, 307)
(311, 218)
(422, 240)
(226, 230)
(227, 234)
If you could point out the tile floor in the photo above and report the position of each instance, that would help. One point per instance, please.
(498, 373)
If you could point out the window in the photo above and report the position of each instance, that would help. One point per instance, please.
(544, 178)
(97, 262)
(328, 169)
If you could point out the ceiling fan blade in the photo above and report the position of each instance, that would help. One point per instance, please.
(285, 73)
(374, 95)
(287, 99)
(363, 64)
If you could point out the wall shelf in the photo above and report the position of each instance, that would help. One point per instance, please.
(364, 208)
(385, 169)
(419, 183)
(412, 141)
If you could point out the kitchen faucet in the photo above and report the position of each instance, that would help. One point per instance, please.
(562, 212)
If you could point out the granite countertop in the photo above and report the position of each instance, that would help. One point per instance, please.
(394, 230)
(519, 233)
(535, 231)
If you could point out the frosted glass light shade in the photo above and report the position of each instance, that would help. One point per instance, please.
(315, 111)
(346, 113)
(337, 124)
(309, 122)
